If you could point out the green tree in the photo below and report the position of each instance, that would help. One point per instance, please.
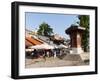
(45, 29)
(84, 22)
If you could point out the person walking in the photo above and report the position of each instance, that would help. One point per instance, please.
(55, 53)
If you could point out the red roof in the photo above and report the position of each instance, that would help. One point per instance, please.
(29, 41)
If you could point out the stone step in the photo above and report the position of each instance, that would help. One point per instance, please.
(72, 57)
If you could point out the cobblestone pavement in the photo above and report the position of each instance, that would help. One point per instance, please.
(56, 62)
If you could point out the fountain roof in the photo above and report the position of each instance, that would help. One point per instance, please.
(74, 28)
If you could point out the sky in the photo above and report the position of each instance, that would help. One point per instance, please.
(59, 22)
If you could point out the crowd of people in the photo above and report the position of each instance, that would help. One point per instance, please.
(45, 53)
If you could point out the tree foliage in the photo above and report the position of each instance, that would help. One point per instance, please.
(45, 29)
(84, 22)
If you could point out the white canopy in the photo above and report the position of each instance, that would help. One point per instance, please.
(62, 46)
(42, 46)
(29, 50)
